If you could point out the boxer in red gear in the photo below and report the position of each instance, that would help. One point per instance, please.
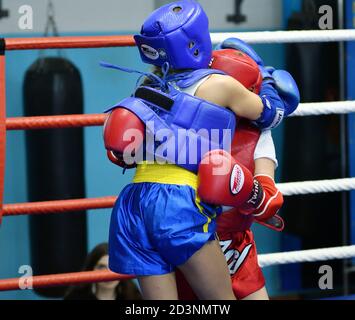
(233, 226)
(223, 178)
(233, 229)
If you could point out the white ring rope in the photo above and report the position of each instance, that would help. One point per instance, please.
(324, 108)
(321, 186)
(288, 36)
(272, 259)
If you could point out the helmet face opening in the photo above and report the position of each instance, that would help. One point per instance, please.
(177, 9)
(176, 33)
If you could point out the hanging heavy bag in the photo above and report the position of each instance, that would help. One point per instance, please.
(55, 169)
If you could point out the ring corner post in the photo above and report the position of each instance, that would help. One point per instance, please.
(2, 123)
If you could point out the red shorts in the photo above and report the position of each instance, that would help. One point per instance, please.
(241, 255)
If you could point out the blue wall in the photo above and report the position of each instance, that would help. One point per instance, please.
(290, 6)
(102, 88)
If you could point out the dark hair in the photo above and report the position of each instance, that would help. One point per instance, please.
(94, 256)
(158, 72)
(125, 290)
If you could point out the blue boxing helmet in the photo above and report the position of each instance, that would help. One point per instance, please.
(176, 33)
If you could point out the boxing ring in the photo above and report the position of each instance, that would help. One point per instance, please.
(75, 121)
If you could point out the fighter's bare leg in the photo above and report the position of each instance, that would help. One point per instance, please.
(207, 273)
(258, 295)
(162, 287)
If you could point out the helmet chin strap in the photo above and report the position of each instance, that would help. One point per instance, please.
(165, 69)
(163, 83)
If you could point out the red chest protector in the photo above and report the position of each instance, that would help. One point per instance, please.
(243, 147)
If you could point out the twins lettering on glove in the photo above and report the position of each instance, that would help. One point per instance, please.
(225, 181)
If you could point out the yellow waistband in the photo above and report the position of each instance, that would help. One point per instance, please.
(165, 174)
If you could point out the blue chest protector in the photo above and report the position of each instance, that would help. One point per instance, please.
(180, 128)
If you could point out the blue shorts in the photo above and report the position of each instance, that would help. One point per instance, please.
(156, 227)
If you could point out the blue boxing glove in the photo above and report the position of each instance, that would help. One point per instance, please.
(274, 107)
(287, 90)
(280, 98)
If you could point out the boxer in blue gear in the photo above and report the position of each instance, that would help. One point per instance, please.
(159, 112)
(159, 223)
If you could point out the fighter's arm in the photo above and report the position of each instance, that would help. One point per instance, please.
(265, 159)
(265, 166)
(278, 94)
(228, 92)
(264, 173)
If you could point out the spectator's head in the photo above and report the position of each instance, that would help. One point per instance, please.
(97, 259)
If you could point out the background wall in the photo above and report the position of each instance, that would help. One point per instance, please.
(102, 88)
(127, 16)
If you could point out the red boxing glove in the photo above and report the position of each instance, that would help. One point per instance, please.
(224, 181)
(269, 204)
(117, 159)
(123, 136)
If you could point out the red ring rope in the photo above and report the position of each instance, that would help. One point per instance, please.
(58, 206)
(69, 42)
(55, 122)
(64, 279)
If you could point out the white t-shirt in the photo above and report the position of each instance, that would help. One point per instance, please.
(265, 147)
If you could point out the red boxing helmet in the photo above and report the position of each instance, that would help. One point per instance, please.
(240, 66)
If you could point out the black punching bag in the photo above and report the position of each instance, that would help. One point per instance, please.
(55, 169)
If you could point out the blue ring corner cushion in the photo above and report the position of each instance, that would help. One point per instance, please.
(55, 162)
(180, 128)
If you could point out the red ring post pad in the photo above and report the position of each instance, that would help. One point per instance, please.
(2, 124)
(69, 42)
(64, 279)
